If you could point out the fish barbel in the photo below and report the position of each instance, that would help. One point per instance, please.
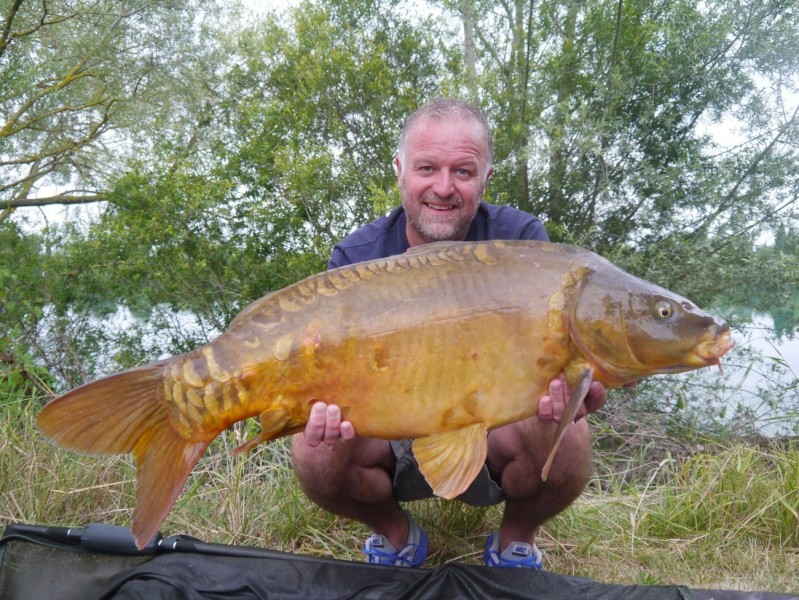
(440, 344)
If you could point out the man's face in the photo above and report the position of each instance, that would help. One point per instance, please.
(442, 173)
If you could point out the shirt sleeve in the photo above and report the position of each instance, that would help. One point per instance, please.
(338, 258)
(534, 230)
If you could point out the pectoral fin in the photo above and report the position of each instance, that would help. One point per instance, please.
(575, 400)
(450, 461)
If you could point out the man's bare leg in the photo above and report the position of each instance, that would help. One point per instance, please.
(517, 454)
(351, 478)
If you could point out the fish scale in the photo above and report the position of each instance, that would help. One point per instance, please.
(441, 344)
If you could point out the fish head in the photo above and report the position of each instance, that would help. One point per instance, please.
(627, 328)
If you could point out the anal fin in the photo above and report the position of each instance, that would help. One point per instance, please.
(275, 422)
(451, 460)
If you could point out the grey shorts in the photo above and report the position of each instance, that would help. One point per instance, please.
(410, 484)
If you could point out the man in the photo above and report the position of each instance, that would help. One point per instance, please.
(443, 165)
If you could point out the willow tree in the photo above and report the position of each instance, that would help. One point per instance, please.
(85, 83)
(84, 86)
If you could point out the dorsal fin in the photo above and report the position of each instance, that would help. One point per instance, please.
(433, 246)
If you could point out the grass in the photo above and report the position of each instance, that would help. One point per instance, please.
(712, 515)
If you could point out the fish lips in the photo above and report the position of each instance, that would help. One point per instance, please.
(713, 349)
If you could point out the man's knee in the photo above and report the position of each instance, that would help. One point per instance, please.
(317, 472)
(349, 468)
(571, 467)
(518, 454)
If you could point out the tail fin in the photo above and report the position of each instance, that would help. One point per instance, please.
(126, 413)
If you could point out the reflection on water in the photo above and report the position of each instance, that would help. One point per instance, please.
(760, 338)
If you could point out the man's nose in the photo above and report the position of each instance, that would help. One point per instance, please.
(444, 183)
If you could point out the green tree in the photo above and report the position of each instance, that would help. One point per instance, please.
(602, 110)
(320, 106)
(83, 87)
(85, 83)
(290, 148)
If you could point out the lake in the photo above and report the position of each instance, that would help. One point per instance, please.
(758, 385)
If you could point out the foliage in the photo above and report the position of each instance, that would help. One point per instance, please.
(20, 376)
(232, 155)
(314, 113)
(604, 111)
(86, 83)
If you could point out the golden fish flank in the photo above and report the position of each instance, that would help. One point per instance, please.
(378, 359)
(508, 317)
(283, 347)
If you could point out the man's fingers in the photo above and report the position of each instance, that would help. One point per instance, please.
(325, 426)
(558, 391)
(545, 409)
(347, 430)
(332, 425)
(315, 427)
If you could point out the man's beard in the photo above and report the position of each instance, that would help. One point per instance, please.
(436, 229)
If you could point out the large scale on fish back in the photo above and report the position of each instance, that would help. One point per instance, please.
(440, 344)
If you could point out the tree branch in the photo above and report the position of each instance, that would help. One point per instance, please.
(730, 197)
(51, 200)
(5, 34)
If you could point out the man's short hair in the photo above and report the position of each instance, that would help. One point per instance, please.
(442, 109)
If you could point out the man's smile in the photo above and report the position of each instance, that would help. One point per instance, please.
(441, 206)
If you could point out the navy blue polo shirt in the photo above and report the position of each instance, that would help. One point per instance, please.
(386, 236)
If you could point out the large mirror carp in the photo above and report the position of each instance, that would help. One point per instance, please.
(440, 344)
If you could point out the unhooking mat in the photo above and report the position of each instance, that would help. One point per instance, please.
(100, 562)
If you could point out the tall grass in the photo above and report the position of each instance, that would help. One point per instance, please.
(722, 515)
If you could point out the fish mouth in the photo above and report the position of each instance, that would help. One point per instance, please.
(705, 354)
(713, 349)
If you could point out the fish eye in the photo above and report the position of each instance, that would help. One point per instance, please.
(663, 310)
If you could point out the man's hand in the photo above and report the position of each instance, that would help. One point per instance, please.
(551, 407)
(326, 427)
